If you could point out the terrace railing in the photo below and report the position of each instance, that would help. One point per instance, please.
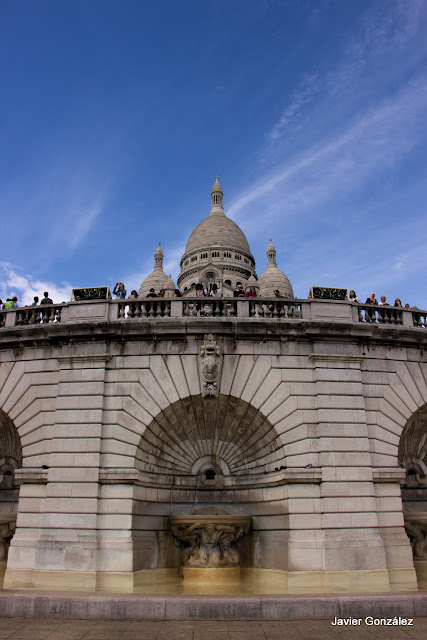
(272, 309)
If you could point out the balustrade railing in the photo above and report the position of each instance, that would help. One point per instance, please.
(380, 314)
(38, 314)
(159, 308)
(258, 308)
(420, 318)
(274, 309)
(207, 307)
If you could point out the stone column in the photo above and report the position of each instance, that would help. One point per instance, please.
(348, 545)
(65, 552)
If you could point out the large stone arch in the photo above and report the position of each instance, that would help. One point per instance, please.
(10, 443)
(412, 453)
(225, 428)
(10, 460)
(413, 458)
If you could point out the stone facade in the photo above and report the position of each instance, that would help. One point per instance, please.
(303, 433)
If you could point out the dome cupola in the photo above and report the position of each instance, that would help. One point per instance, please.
(157, 279)
(273, 278)
(217, 252)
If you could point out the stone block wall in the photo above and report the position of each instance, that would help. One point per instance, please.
(312, 427)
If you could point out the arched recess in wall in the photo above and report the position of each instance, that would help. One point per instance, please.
(10, 460)
(194, 428)
(413, 458)
(412, 452)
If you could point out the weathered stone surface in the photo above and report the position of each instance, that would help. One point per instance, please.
(303, 436)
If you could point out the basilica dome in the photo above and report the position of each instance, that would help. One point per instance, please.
(217, 252)
(217, 231)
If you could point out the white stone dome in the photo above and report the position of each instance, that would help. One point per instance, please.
(217, 252)
(217, 231)
(157, 279)
(273, 278)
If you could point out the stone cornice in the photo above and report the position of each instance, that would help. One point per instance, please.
(335, 357)
(249, 481)
(387, 474)
(31, 476)
(68, 361)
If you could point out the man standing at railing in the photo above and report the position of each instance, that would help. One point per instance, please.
(46, 299)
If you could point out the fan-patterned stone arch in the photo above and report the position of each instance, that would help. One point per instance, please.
(413, 443)
(10, 443)
(194, 427)
(394, 391)
(10, 460)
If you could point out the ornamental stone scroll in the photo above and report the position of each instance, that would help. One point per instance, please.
(210, 365)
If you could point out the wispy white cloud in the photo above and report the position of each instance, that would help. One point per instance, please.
(292, 112)
(346, 160)
(25, 287)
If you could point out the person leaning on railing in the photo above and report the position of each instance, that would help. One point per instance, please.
(370, 313)
(352, 297)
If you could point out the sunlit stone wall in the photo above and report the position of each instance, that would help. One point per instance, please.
(303, 432)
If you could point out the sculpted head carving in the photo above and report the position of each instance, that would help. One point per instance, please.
(210, 355)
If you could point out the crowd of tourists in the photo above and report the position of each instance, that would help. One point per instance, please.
(352, 297)
(203, 292)
(12, 303)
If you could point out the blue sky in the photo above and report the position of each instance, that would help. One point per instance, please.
(115, 117)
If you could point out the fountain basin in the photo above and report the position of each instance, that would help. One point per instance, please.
(210, 554)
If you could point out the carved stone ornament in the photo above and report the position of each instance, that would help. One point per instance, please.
(209, 540)
(416, 528)
(210, 361)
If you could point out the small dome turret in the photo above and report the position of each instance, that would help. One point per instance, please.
(273, 278)
(157, 279)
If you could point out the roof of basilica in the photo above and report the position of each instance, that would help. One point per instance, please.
(217, 230)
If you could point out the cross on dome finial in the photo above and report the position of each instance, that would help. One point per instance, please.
(217, 178)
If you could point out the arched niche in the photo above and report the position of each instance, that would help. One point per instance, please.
(10, 460)
(233, 434)
(412, 453)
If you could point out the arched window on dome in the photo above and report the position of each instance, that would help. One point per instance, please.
(238, 256)
(238, 283)
(227, 282)
(216, 254)
(227, 254)
(210, 279)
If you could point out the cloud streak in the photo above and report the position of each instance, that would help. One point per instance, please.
(25, 287)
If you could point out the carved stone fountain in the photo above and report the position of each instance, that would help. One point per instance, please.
(210, 551)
